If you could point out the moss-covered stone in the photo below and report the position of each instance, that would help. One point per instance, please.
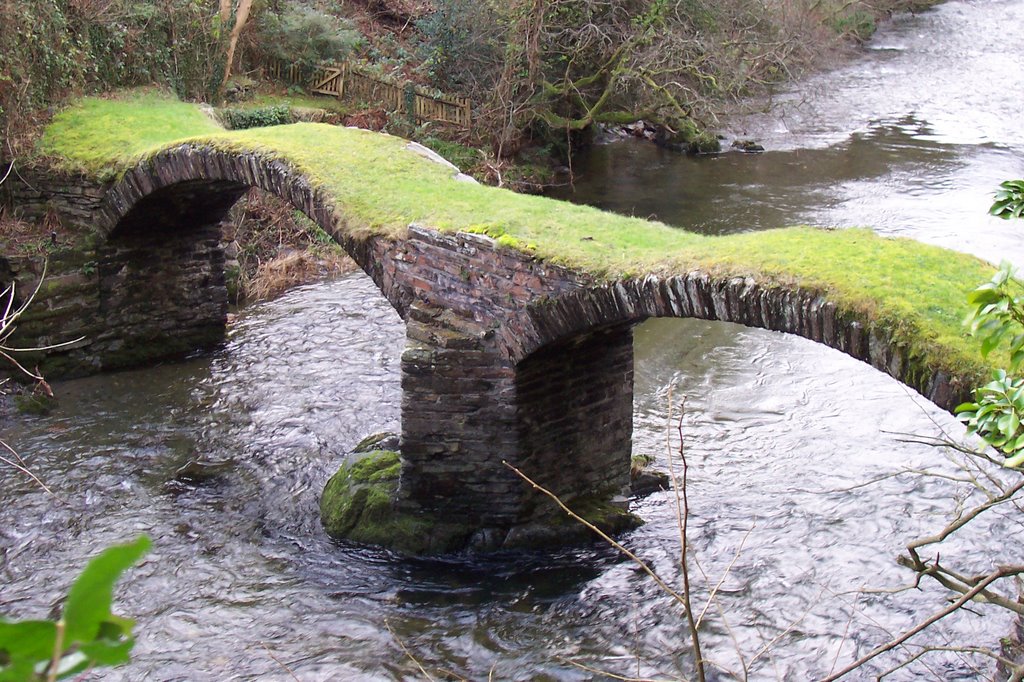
(643, 479)
(358, 504)
(35, 402)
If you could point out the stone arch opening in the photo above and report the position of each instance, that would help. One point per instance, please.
(743, 301)
(162, 288)
(574, 364)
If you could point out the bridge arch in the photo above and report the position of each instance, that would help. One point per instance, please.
(193, 185)
(742, 300)
(573, 360)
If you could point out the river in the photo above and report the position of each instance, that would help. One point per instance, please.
(221, 459)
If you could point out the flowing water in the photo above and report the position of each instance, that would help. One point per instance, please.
(221, 459)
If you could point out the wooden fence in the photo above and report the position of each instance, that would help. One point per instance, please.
(355, 83)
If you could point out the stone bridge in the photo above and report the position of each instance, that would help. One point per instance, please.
(509, 356)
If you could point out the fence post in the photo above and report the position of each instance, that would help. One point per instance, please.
(410, 102)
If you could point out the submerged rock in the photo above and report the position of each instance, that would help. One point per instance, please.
(643, 480)
(747, 146)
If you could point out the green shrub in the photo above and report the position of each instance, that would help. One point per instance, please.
(1009, 200)
(258, 117)
(305, 36)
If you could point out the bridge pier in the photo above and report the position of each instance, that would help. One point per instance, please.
(458, 425)
(562, 416)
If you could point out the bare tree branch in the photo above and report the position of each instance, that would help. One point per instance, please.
(1000, 572)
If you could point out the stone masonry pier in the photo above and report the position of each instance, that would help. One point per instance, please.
(508, 358)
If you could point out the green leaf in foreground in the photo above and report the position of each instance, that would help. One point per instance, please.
(23, 645)
(87, 635)
(88, 604)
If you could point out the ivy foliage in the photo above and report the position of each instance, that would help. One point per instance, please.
(87, 635)
(997, 318)
(1009, 202)
(995, 416)
(50, 48)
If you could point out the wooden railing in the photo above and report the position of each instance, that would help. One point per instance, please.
(355, 83)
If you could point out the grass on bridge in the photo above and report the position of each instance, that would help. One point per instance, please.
(917, 290)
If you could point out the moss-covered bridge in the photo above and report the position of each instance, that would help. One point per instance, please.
(519, 309)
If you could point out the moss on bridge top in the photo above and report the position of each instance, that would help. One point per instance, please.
(379, 187)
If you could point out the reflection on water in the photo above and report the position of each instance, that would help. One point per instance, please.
(894, 177)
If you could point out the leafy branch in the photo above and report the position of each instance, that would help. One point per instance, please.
(997, 318)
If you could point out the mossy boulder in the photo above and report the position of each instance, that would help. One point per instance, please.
(644, 479)
(358, 505)
(35, 403)
(686, 136)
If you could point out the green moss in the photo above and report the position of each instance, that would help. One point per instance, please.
(95, 131)
(358, 505)
(638, 463)
(915, 290)
(382, 466)
(35, 402)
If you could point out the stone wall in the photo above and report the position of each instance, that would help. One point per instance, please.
(144, 293)
(74, 199)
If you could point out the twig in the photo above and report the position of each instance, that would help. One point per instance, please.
(23, 468)
(962, 521)
(954, 582)
(1000, 572)
(725, 574)
(407, 652)
(684, 547)
(604, 536)
(278, 661)
(935, 649)
(846, 634)
(604, 673)
(58, 652)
